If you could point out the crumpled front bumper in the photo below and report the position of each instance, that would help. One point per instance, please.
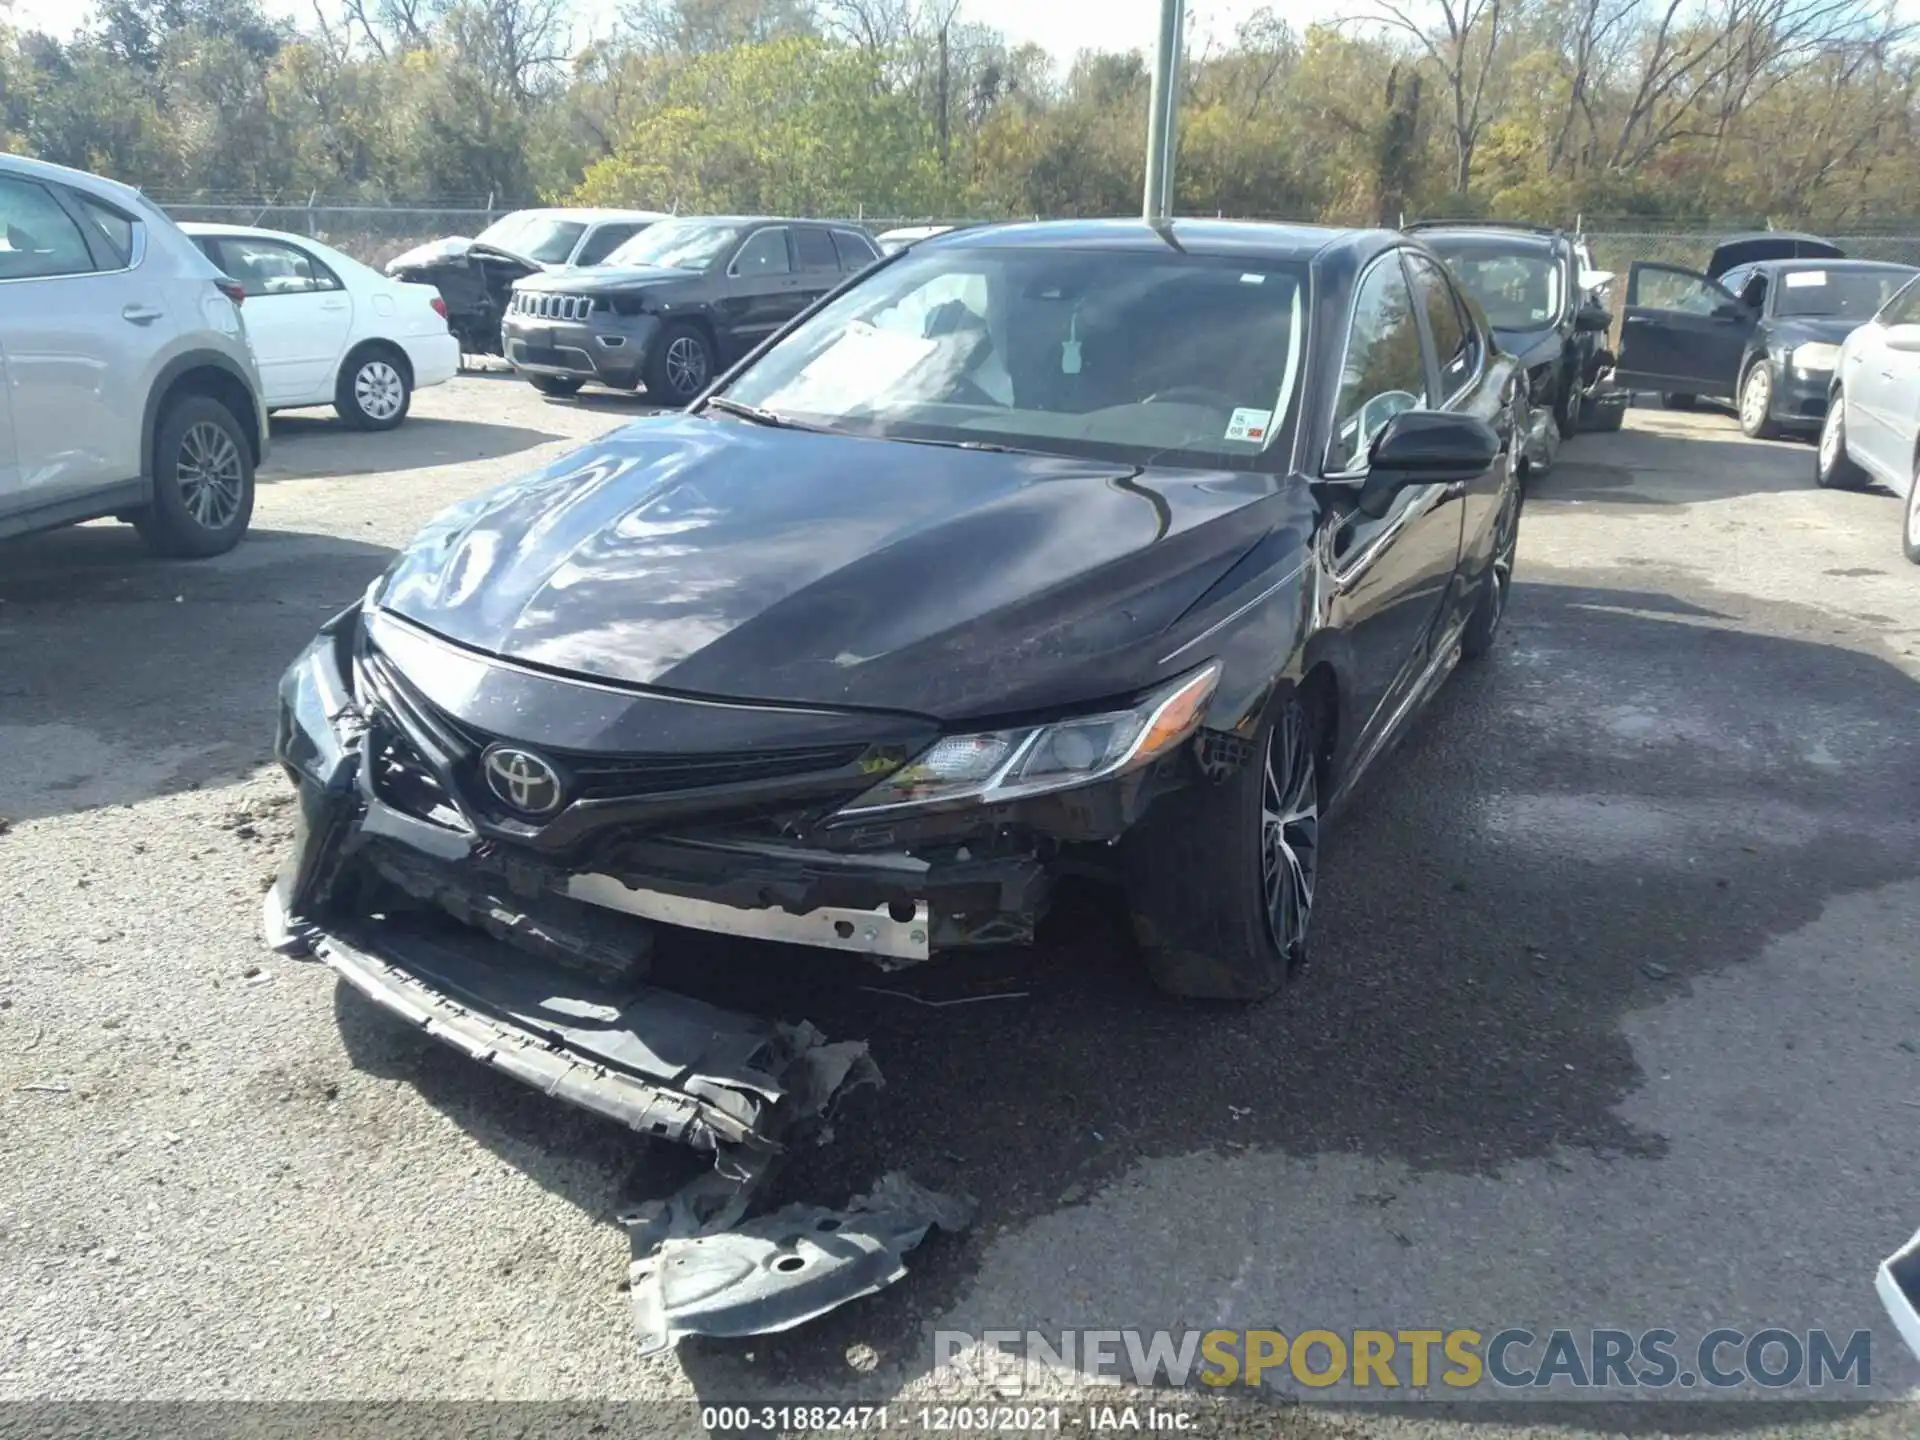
(671, 1067)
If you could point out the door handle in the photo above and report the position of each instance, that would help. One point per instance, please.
(141, 314)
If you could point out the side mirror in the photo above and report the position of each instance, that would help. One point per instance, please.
(1425, 447)
(1904, 337)
(1593, 320)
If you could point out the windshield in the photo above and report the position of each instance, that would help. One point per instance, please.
(1838, 294)
(537, 237)
(677, 244)
(1141, 357)
(1518, 292)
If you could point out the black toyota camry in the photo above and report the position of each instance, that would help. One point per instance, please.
(1034, 548)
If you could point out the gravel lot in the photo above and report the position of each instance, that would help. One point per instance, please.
(1613, 1019)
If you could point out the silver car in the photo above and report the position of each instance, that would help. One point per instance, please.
(127, 386)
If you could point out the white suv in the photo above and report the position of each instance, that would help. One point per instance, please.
(127, 386)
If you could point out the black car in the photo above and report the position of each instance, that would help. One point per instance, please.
(677, 304)
(1085, 546)
(1532, 283)
(1761, 326)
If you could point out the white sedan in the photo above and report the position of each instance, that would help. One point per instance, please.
(328, 330)
(1872, 429)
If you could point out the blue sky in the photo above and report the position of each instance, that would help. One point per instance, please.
(1061, 26)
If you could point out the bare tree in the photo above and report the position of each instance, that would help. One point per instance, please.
(1461, 37)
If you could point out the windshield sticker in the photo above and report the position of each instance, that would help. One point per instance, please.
(1802, 279)
(1248, 424)
(1253, 279)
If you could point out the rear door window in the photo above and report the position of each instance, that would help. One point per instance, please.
(814, 250)
(38, 239)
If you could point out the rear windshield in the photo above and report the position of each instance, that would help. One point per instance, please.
(1838, 294)
(1149, 357)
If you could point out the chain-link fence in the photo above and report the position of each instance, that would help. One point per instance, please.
(376, 233)
(370, 233)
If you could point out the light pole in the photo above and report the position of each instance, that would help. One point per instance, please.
(1163, 111)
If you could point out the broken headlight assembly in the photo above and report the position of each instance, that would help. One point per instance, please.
(993, 766)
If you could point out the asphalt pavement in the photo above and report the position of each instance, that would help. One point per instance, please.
(1612, 1018)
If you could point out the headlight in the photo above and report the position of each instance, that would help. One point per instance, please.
(998, 765)
(1815, 355)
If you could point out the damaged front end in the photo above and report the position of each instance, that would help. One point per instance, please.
(505, 899)
(486, 951)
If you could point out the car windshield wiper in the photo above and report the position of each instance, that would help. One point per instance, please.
(990, 446)
(757, 414)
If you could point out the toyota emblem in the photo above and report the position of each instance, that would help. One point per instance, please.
(522, 780)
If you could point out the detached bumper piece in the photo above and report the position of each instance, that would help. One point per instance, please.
(732, 1280)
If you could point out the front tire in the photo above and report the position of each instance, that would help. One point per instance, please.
(1567, 408)
(1756, 403)
(1496, 585)
(1910, 531)
(680, 366)
(1221, 875)
(373, 391)
(202, 482)
(1833, 468)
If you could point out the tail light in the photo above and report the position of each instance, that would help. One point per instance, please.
(439, 307)
(232, 289)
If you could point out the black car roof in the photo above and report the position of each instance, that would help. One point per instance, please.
(1195, 237)
(1522, 238)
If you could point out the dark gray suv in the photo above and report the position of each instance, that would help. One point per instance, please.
(675, 304)
(127, 384)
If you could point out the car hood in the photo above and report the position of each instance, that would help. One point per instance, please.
(597, 279)
(453, 249)
(1530, 347)
(1798, 329)
(713, 557)
(1738, 250)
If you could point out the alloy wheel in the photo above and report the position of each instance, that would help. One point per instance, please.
(379, 390)
(1756, 396)
(686, 365)
(1830, 437)
(210, 475)
(1506, 546)
(1289, 830)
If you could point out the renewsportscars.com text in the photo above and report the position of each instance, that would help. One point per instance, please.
(1449, 1361)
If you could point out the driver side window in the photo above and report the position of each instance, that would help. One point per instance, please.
(1385, 372)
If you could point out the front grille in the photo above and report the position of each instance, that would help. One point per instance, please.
(589, 775)
(542, 306)
(622, 777)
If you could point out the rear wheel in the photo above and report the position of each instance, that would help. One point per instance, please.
(202, 481)
(680, 366)
(373, 391)
(1833, 468)
(1678, 400)
(1756, 403)
(1221, 876)
(558, 386)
